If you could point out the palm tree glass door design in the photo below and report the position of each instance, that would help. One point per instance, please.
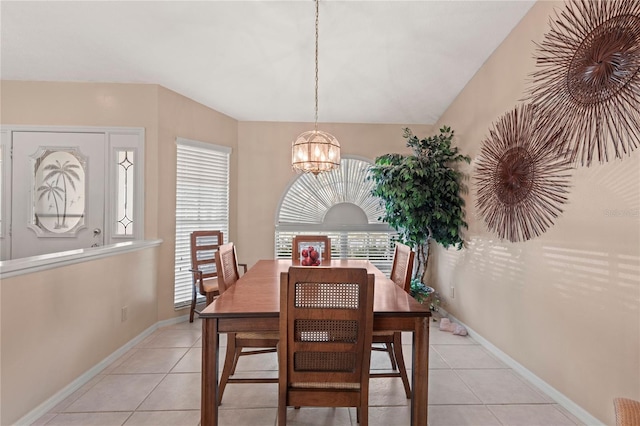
(61, 204)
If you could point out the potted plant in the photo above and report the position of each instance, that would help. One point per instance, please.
(421, 195)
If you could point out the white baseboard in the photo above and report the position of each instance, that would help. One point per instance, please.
(579, 412)
(65, 392)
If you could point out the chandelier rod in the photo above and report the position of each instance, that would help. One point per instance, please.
(316, 95)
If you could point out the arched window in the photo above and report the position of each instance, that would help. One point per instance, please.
(338, 204)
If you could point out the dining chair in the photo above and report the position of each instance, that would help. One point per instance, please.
(303, 242)
(392, 340)
(627, 412)
(256, 342)
(204, 244)
(326, 321)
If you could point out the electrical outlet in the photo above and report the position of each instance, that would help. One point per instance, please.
(452, 292)
(124, 314)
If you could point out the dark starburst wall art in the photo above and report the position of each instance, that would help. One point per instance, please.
(521, 180)
(588, 78)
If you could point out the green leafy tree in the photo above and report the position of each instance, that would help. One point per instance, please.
(421, 194)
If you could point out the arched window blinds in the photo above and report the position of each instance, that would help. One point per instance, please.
(338, 204)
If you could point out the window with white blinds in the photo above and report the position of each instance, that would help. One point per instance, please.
(338, 204)
(202, 202)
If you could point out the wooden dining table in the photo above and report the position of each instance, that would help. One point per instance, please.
(253, 304)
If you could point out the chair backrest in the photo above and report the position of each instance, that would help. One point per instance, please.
(627, 411)
(303, 242)
(402, 266)
(204, 245)
(326, 323)
(227, 266)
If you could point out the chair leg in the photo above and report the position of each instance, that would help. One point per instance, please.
(194, 296)
(210, 297)
(363, 415)
(397, 349)
(227, 369)
(363, 409)
(282, 413)
(389, 347)
(236, 358)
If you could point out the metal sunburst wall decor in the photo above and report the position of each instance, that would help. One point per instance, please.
(521, 181)
(588, 78)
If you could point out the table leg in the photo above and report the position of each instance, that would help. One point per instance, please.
(210, 349)
(420, 373)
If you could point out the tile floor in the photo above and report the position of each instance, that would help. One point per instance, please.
(158, 383)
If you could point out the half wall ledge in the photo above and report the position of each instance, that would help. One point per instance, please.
(28, 265)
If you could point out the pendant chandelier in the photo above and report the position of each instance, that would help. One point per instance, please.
(315, 151)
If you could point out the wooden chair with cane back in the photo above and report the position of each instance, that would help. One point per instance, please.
(627, 412)
(326, 322)
(204, 244)
(256, 342)
(392, 340)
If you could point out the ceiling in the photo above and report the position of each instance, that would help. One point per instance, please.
(379, 61)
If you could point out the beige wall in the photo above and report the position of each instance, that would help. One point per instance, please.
(52, 326)
(182, 117)
(264, 171)
(91, 104)
(141, 281)
(58, 324)
(565, 305)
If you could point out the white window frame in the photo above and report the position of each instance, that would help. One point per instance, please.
(210, 165)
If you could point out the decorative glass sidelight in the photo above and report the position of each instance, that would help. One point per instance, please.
(125, 185)
(59, 192)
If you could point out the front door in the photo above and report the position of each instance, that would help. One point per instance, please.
(60, 205)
